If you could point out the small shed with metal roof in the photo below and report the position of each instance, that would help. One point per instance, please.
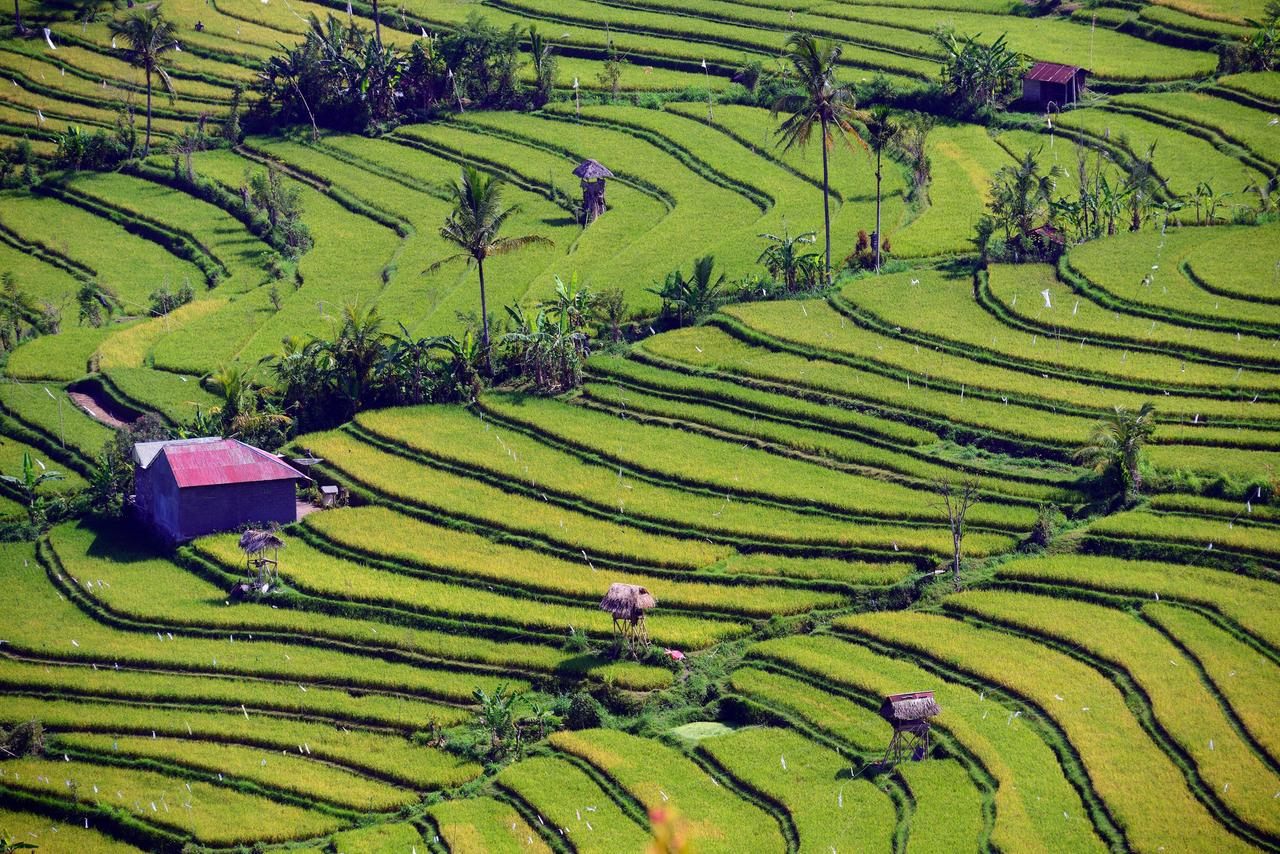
(1052, 84)
(186, 488)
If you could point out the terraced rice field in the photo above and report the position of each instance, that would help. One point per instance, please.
(770, 474)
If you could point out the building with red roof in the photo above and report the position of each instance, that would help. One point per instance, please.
(186, 488)
(1051, 83)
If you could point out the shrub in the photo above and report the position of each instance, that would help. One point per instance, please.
(585, 712)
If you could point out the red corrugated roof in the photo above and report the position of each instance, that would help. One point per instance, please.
(1052, 72)
(222, 462)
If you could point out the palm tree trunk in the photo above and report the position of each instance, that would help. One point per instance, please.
(826, 200)
(17, 16)
(377, 25)
(879, 238)
(484, 321)
(146, 146)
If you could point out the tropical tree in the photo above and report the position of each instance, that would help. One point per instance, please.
(1115, 447)
(1262, 187)
(956, 500)
(822, 104)
(1022, 195)
(1259, 49)
(356, 349)
(548, 348)
(148, 37)
(695, 296)
(912, 144)
(980, 75)
(34, 475)
(464, 357)
(544, 67)
(407, 366)
(245, 411)
(570, 303)
(787, 261)
(610, 310)
(882, 130)
(473, 226)
(1141, 186)
(9, 844)
(496, 718)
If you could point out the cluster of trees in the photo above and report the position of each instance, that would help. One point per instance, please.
(979, 77)
(816, 105)
(1029, 218)
(343, 76)
(23, 317)
(1257, 50)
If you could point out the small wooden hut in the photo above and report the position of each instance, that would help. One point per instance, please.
(1051, 83)
(261, 571)
(593, 175)
(627, 604)
(910, 715)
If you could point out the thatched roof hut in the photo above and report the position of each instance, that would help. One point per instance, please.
(254, 542)
(627, 601)
(591, 170)
(909, 710)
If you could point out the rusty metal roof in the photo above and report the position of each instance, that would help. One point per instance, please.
(216, 462)
(1052, 72)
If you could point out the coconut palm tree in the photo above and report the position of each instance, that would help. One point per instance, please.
(882, 130)
(473, 227)
(1115, 445)
(148, 36)
(823, 104)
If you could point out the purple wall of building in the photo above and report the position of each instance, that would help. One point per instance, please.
(184, 514)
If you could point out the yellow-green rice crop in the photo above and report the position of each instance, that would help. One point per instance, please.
(546, 468)
(1235, 668)
(291, 773)
(1245, 600)
(1204, 533)
(571, 802)
(701, 461)
(380, 532)
(211, 813)
(1032, 793)
(387, 757)
(483, 825)
(806, 779)
(1181, 703)
(658, 776)
(322, 574)
(1144, 790)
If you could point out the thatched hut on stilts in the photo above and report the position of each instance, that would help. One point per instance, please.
(260, 571)
(627, 604)
(911, 716)
(593, 175)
